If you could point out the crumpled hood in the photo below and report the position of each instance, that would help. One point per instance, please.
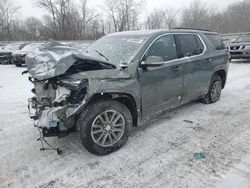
(53, 59)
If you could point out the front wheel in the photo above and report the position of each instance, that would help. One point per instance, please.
(214, 91)
(104, 126)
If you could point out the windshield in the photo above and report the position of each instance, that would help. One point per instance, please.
(30, 47)
(116, 48)
(241, 39)
(14, 47)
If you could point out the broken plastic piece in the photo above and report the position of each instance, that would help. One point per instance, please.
(188, 121)
(199, 156)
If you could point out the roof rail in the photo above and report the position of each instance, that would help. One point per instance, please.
(191, 28)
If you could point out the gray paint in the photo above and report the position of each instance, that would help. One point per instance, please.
(154, 89)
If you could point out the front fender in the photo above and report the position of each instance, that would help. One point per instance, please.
(107, 87)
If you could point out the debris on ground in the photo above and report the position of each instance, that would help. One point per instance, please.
(188, 121)
(199, 156)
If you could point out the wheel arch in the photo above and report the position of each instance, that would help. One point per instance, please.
(126, 99)
(223, 75)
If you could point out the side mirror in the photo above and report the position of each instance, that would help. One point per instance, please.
(152, 61)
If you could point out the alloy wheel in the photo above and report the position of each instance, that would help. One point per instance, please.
(108, 128)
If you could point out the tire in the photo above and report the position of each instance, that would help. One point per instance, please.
(94, 128)
(214, 91)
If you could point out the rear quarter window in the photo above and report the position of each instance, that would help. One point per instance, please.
(216, 40)
(188, 45)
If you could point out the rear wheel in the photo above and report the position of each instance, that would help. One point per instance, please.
(104, 126)
(214, 91)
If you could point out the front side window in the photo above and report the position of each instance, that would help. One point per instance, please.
(163, 49)
(188, 45)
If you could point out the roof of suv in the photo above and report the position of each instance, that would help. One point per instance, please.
(160, 31)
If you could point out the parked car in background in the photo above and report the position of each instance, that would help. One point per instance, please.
(81, 47)
(240, 48)
(2, 45)
(6, 52)
(229, 38)
(121, 80)
(69, 43)
(18, 57)
(227, 42)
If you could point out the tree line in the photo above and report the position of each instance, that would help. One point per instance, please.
(74, 20)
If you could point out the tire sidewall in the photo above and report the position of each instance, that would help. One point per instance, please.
(215, 78)
(88, 117)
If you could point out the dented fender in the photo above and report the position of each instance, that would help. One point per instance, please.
(114, 87)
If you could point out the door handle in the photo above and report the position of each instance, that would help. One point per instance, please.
(177, 68)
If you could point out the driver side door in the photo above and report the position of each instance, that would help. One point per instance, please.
(161, 83)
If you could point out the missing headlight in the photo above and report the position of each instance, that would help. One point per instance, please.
(78, 89)
(77, 96)
(74, 84)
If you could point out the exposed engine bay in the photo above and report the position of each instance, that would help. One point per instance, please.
(54, 104)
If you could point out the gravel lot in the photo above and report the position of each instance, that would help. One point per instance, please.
(159, 154)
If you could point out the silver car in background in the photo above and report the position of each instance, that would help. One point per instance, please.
(6, 52)
(240, 48)
(18, 57)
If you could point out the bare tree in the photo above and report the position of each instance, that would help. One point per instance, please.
(161, 18)
(7, 13)
(155, 20)
(237, 17)
(196, 15)
(33, 28)
(59, 20)
(70, 19)
(171, 17)
(122, 15)
(87, 16)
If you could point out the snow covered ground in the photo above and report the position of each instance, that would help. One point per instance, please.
(158, 154)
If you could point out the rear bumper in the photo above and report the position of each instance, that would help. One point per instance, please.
(5, 61)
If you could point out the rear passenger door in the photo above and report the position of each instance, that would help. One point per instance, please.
(191, 48)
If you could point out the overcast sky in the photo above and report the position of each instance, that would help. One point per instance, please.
(28, 6)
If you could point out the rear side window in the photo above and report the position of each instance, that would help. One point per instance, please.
(188, 45)
(216, 41)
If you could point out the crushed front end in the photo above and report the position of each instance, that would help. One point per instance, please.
(54, 106)
(61, 87)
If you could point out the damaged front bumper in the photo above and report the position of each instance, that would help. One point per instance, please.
(54, 108)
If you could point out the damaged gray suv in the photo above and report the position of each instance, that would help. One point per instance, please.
(122, 80)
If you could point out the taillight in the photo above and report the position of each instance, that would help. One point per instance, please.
(229, 55)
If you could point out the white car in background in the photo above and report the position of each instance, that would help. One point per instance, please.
(18, 57)
(6, 52)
